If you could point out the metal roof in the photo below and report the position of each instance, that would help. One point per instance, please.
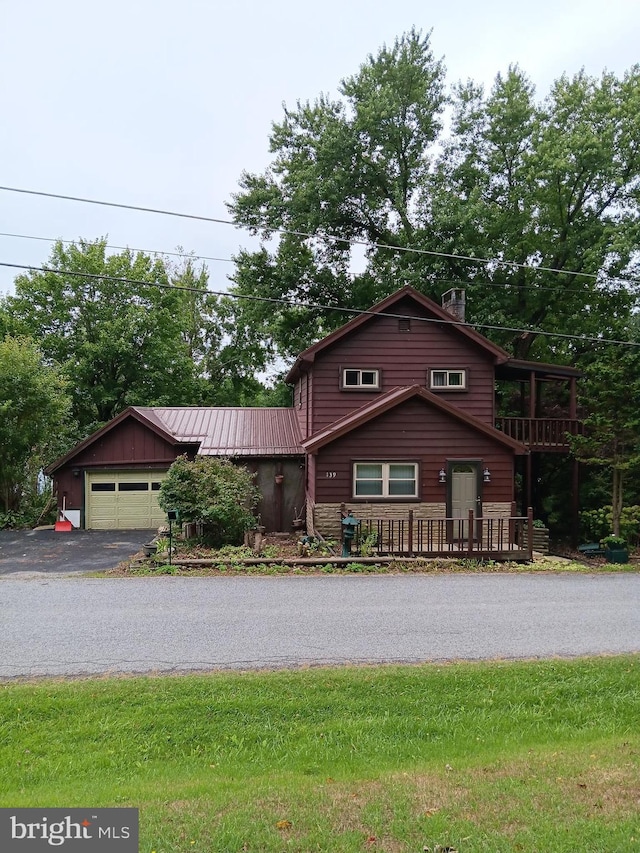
(230, 431)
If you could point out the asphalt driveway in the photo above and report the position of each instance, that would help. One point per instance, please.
(45, 550)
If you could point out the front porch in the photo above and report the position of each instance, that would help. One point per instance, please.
(484, 538)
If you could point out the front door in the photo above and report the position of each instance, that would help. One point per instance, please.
(464, 496)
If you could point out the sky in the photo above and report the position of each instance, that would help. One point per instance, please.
(163, 104)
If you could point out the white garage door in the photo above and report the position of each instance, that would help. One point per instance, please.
(121, 500)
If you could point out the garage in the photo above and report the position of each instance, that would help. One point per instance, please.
(121, 500)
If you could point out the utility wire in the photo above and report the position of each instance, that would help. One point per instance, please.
(320, 307)
(329, 238)
(189, 255)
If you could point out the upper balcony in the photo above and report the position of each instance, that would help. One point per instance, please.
(549, 435)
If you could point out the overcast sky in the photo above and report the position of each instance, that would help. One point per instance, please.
(163, 103)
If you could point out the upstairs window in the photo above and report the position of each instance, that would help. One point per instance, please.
(448, 380)
(359, 379)
(385, 480)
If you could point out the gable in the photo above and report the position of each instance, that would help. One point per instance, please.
(447, 415)
(406, 304)
(154, 435)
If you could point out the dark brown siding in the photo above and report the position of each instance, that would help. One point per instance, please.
(413, 432)
(301, 398)
(129, 443)
(281, 500)
(404, 359)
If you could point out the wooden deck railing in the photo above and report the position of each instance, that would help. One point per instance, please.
(541, 433)
(507, 538)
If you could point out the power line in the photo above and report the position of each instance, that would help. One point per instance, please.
(329, 238)
(120, 248)
(320, 307)
(449, 281)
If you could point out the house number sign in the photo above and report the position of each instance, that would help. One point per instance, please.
(331, 475)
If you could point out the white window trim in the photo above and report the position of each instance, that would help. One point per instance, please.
(448, 386)
(360, 385)
(385, 480)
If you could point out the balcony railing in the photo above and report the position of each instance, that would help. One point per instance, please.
(504, 538)
(541, 433)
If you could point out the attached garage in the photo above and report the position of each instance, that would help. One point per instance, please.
(111, 480)
(120, 500)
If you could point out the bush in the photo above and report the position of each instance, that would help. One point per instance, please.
(595, 524)
(214, 492)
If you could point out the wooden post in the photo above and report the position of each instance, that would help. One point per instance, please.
(470, 534)
(530, 532)
(575, 504)
(410, 533)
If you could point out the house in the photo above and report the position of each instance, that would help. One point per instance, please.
(394, 412)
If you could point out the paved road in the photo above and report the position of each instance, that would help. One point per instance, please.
(44, 550)
(67, 626)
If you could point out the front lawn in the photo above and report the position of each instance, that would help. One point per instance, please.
(534, 756)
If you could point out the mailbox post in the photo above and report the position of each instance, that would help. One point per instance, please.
(172, 515)
(350, 525)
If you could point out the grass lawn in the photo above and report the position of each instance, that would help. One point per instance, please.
(534, 756)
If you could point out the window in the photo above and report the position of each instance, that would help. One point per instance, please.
(385, 479)
(133, 487)
(103, 487)
(449, 380)
(356, 378)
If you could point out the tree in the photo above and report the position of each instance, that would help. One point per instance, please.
(526, 183)
(549, 185)
(121, 342)
(212, 491)
(34, 426)
(611, 390)
(343, 170)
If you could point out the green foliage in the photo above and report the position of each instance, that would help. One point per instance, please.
(313, 546)
(611, 390)
(34, 425)
(613, 542)
(346, 169)
(597, 523)
(540, 183)
(212, 491)
(129, 329)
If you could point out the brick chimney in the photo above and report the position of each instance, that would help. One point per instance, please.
(453, 302)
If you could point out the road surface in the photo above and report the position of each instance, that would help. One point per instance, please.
(74, 626)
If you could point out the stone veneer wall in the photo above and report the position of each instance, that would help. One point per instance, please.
(326, 517)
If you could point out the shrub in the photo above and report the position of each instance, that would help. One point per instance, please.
(212, 491)
(595, 524)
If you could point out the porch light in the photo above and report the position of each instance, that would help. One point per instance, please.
(442, 476)
(486, 475)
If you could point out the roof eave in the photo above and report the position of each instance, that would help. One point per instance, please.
(131, 412)
(394, 398)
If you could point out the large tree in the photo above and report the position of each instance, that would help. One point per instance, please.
(526, 183)
(550, 185)
(127, 329)
(611, 391)
(34, 424)
(344, 170)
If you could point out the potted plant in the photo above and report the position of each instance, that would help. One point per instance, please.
(616, 550)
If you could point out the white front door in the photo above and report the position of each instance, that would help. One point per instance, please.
(464, 497)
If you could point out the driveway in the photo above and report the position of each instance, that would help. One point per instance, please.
(44, 550)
